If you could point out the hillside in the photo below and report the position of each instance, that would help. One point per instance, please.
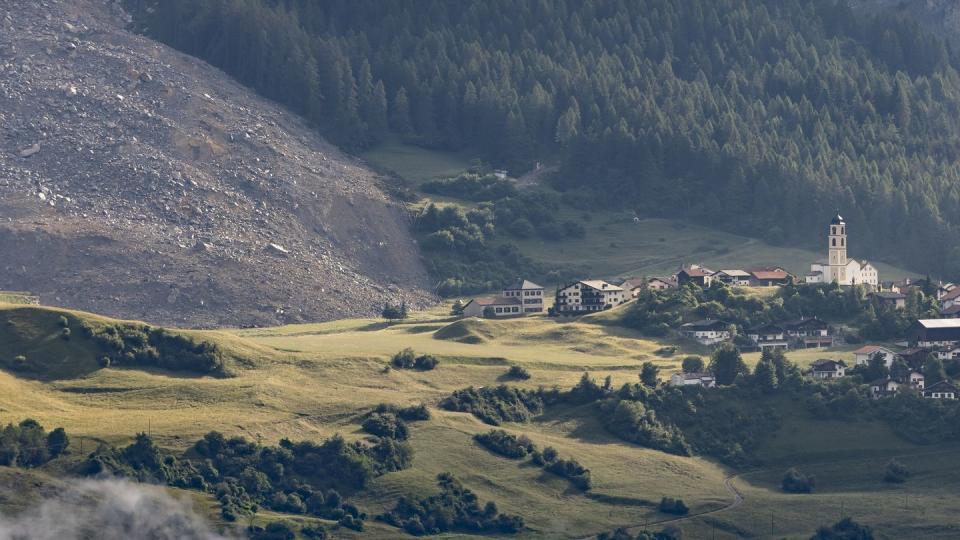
(941, 16)
(142, 183)
(758, 117)
(312, 381)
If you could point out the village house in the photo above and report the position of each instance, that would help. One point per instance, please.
(773, 276)
(588, 296)
(885, 387)
(837, 268)
(809, 333)
(707, 331)
(948, 353)
(530, 294)
(680, 378)
(696, 274)
(914, 379)
(769, 336)
(942, 390)
(496, 307)
(863, 354)
(951, 312)
(891, 299)
(662, 283)
(735, 278)
(935, 333)
(828, 369)
(915, 357)
(950, 299)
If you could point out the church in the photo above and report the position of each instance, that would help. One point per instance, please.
(837, 268)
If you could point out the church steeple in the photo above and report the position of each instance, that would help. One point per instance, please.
(837, 249)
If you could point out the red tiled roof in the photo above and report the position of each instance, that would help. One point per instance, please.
(770, 274)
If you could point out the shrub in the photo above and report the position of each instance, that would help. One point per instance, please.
(845, 529)
(455, 508)
(518, 372)
(386, 425)
(143, 345)
(570, 469)
(412, 413)
(496, 405)
(896, 472)
(505, 444)
(669, 505)
(425, 362)
(407, 359)
(796, 482)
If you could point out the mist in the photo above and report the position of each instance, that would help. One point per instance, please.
(109, 509)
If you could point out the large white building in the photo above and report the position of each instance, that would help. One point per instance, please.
(837, 268)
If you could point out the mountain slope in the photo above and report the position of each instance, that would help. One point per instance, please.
(143, 183)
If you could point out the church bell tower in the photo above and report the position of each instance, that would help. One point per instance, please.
(837, 249)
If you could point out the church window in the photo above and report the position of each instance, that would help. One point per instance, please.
(843, 242)
(833, 242)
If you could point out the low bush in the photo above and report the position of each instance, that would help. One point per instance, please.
(518, 372)
(669, 505)
(407, 359)
(896, 472)
(572, 470)
(796, 482)
(455, 508)
(143, 345)
(496, 405)
(845, 529)
(386, 425)
(506, 444)
(412, 413)
(28, 444)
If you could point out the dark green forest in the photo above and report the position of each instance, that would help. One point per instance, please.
(757, 116)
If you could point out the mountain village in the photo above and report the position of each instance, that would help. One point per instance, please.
(938, 337)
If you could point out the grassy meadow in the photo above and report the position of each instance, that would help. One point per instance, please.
(312, 381)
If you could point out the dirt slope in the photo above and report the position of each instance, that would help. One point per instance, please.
(141, 183)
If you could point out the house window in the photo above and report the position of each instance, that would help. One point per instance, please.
(499, 310)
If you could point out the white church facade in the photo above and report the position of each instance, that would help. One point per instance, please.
(837, 268)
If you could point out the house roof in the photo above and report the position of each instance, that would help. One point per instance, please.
(696, 271)
(812, 321)
(941, 385)
(952, 295)
(522, 284)
(633, 283)
(600, 284)
(952, 310)
(870, 349)
(939, 323)
(770, 274)
(733, 273)
(883, 382)
(704, 324)
(889, 295)
(826, 364)
(766, 329)
(694, 376)
(495, 301)
(669, 280)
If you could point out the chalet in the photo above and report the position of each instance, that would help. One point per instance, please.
(863, 354)
(705, 380)
(942, 390)
(530, 294)
(914, 379)
(884, 388)
(707, 331)
(915, 357)
(950, 299)
(662, 283)
(828, 369)
(889, 299)
(769, 277)
(737, 278)
(769, 336)
(809, 333)
(588, 296)
(633, 286)
(696, 274)
(948, 353)
(500, 306)
(936, 333)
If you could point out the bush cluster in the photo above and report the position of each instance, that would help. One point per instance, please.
(896, 472)
(496, 405)
(670, 532)
(795, 481)
(506, 444)
(28, 444)
(669, 505)
(455, 508)
(143, 345)
(471, 186)
(518, 372)
(407, 359)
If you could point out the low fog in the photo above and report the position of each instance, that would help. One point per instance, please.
(108, 509)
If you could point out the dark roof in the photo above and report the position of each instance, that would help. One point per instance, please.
(890, 295)
(837, 220)
(812, 321)
(766, 329)
(937, 330)
(952, 310)
(497, 301)
(705, 324)
(941, 385)
(954, 293)
(522, 284)
(827, 365)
